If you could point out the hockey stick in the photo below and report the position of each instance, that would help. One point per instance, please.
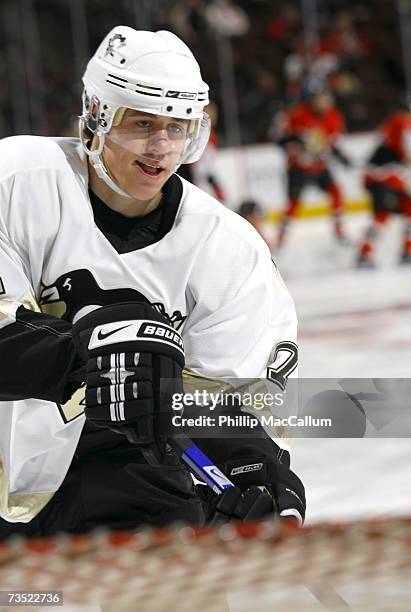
(200, 464)
(193, 456)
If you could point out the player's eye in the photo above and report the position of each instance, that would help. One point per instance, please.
(175, 130)
(143, 124)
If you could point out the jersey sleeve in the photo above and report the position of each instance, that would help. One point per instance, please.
(242, 328)
(37, 439)
(37, 355)
(242, 312)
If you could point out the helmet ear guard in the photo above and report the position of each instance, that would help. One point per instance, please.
(92, 113)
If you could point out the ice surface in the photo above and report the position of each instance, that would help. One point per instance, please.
(352, 323)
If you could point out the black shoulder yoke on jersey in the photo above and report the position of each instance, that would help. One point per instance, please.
(128, 234)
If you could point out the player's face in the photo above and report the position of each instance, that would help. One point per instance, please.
(322, 102)
(142, 152)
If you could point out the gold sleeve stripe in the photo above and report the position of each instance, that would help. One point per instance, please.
(193, 381)
(7, 307)
(20, 508)
(29, 301)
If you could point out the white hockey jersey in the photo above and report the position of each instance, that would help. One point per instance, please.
(211, 274)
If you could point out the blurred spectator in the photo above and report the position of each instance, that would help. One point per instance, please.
(285, 24)
(388, 181)
(302, 66)
(343, 39)
(308, 132)
(189, 20)
(225, 17)
(359, 54)
(261, 96)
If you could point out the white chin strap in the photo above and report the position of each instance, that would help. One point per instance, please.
(99, 167)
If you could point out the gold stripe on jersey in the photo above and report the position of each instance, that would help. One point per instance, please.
(74, 407)
(252, 388)
(29, 301)
(55, 309)
(20, 508)
(7, 306)
(193, 381)
(6, 310)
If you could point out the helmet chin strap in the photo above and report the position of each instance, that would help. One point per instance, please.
(99, 167)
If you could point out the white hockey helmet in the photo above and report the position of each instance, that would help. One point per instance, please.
(153, 72)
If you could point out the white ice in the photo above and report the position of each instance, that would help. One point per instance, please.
(352, 323)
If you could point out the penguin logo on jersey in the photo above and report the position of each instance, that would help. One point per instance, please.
(77, 292)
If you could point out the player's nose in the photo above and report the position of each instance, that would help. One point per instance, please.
(159, 142)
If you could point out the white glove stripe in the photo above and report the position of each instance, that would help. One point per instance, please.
(117, 373)
(117, 393)
(117, 411)
(117, 369)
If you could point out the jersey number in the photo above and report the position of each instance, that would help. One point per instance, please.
(279, 374)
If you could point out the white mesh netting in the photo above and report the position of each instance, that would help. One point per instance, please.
(260, 567)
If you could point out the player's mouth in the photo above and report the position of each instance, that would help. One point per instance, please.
(153, 170)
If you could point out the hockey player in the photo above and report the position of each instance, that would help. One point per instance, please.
(308, 132)
(387, 179)
(117, 273)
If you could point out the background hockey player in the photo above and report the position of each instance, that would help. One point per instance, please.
(107, 257)
(388, 181)
(308, 132)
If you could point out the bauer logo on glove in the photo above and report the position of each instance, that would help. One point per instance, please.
(132, 331)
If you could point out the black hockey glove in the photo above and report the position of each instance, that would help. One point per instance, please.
(264, 488)
(134, 365)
